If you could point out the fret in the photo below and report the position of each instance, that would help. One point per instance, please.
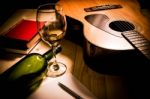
(138, 41)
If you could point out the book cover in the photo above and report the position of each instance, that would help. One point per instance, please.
(24, 30)
(20, 36)
(20, 51)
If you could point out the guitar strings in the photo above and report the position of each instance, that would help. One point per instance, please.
(125, 26)
(112, 17)
(119, 24)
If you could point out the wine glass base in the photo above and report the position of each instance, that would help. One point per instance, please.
(56, 70)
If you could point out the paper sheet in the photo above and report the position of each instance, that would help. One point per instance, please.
(49, 89)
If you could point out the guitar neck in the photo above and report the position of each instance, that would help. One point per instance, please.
(138, 41)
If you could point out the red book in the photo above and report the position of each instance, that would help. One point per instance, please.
(21, 36)
(25, 30)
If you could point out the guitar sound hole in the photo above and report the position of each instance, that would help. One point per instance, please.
(121, 26)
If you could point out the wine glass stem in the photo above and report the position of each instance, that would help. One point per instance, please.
(55, 66)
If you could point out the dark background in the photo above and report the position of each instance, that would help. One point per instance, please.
(144, 4)
(8, 7)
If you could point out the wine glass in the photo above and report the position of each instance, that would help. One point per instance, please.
(52, 32)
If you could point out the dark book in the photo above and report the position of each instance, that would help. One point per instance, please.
(23, 36)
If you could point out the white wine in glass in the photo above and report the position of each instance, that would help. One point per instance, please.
(52, 32)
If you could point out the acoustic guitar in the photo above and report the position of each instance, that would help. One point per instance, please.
(106, 31)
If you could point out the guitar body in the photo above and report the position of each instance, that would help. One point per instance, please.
(104, 43)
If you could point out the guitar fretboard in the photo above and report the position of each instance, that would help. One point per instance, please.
(139, 42)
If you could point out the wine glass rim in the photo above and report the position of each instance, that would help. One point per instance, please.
(54, 4)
